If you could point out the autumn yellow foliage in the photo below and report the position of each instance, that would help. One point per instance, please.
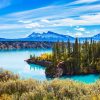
(45, 56)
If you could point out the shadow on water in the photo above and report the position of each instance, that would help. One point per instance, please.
(90, 78)
(15, 62)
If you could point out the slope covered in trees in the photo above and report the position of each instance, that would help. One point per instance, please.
(76, 58)
(72, 58)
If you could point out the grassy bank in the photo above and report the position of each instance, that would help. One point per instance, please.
(13, 88)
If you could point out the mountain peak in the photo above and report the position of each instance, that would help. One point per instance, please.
(53, 37)
(97, 37)
(50, 32)
(47, 36)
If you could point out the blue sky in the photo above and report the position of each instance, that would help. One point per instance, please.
(19, 18)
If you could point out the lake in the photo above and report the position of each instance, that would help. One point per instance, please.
(13, 60)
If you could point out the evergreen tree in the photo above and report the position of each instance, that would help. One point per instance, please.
(69, 48)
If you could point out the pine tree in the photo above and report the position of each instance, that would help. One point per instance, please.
(69, 48)
(54, 54)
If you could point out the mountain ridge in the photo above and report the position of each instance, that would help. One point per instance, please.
(51, 37)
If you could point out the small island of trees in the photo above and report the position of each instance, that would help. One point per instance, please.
(70, 58)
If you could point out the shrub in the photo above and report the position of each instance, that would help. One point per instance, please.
(17, 89)
(7, 75)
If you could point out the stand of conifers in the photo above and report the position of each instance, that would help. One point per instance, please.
(73, 58)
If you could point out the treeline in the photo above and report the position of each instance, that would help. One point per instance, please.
(71, 58)
(78, 57)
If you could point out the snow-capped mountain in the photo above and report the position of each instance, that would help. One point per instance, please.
(96, 37)
(51, 37)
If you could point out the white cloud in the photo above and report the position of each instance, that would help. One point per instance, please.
(78, 34)
(53, 12)
(82, 20)
(82, 1)
(51, 17)
(45, 21)
(93, 19)
(30, 24)
(80, 29)
(88, 32)
(33, 25)
(25, 21)
(10, 26)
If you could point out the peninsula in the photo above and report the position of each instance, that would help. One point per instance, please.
(70, 59)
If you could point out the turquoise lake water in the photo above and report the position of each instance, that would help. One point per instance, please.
(13, 60)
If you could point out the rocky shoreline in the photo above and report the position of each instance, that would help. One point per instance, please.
(60, 70)
(10, 45)
(39, 62)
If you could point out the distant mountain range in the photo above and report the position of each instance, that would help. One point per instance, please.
(51, 37)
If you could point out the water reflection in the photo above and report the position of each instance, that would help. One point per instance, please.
(36, 67)
(14, 60)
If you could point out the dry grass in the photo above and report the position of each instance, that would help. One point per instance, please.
(13, 88)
